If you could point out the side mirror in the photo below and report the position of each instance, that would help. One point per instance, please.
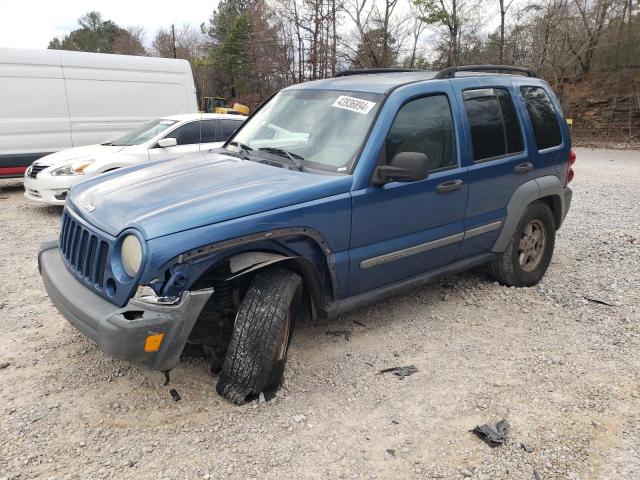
(404, 167)
(167, 142)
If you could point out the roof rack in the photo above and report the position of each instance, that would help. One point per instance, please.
(365, 71)
(451, 71)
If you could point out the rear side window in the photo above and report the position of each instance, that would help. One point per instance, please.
(495, 130)
(424, 125)
(209, 131)
(543, 116)
(187, 134)
(227, 127)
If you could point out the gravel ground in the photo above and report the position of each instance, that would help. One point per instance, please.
(563, 370)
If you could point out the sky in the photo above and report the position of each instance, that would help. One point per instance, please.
(33, 23)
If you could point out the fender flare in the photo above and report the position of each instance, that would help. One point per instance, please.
(246, 262)
(525, 194)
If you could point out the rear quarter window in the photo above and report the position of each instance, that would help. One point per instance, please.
(544, 118)
(495, 130)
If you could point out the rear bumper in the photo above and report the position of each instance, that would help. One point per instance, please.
(120, 332)
(568, 193)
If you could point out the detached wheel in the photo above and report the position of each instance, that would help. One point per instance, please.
(529, 251)
(261, 334)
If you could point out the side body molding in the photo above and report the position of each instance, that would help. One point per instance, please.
(528, 192)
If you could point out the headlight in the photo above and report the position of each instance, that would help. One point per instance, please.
(78, 167)
(65, 170)
(131, 255)
(74, 168)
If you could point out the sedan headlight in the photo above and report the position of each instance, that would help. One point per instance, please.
(131, 255)
(64, 170)
(74, 168)
(78, 167)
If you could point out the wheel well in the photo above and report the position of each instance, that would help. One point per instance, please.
(316, 283)
(555, 205)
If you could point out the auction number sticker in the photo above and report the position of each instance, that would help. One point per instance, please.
(354, 104)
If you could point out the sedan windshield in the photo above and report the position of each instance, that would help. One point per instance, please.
(316, 128)
(143, 133)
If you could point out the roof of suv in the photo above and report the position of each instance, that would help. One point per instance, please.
(383, 80)
(367, 82)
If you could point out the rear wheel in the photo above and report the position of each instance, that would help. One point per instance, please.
(261, 334)
(529, 252)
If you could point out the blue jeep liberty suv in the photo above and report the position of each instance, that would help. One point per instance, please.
(334, 194)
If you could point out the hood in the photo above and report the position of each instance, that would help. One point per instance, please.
(76, 153)
(170, 196)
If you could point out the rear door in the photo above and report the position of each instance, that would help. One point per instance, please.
(498, 158)
(401, 230)
(543, 113)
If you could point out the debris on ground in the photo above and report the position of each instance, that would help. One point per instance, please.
(357, 322)
(401, 371)
(391, 452)
(526, 447)
(599, 301)
(536, 475)
(261, 398)
(340, 333)
(174, 394)
(167, 378)
(4, 365)
(299, 418)
(493, 434)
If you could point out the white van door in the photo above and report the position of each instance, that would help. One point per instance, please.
(34, 120)
(110, 95)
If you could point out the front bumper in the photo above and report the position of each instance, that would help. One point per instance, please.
(52, 191)
(120, 332)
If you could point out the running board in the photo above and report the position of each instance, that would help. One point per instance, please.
(340, 307)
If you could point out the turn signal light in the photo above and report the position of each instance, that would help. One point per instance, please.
(153, 342)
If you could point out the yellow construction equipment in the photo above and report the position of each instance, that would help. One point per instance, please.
(219, 105)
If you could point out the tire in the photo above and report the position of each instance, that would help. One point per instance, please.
(262, 331)
(529, 252)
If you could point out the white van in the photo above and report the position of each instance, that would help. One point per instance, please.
(55, 99)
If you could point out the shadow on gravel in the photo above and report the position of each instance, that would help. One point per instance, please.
(11, 186)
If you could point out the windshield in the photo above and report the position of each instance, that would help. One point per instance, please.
(143, 133)
(318, 128)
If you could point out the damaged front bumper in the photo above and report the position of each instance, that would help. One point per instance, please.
(121, 332)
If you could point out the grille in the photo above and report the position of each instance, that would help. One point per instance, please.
(35, 170)
(84, 252)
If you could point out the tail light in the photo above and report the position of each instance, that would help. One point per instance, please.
(570, 172)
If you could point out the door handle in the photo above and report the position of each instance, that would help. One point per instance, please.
(523, 167)
(450, 186)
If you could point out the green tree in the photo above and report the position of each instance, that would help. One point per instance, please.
(100, 36)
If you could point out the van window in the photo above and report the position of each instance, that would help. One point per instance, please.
(188, 134)
(424, 125)
(543, 117)
(495, 130)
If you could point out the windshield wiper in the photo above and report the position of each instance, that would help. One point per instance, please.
(243, 149)
(294, 157)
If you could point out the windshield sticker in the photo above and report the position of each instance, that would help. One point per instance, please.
(354, 104)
